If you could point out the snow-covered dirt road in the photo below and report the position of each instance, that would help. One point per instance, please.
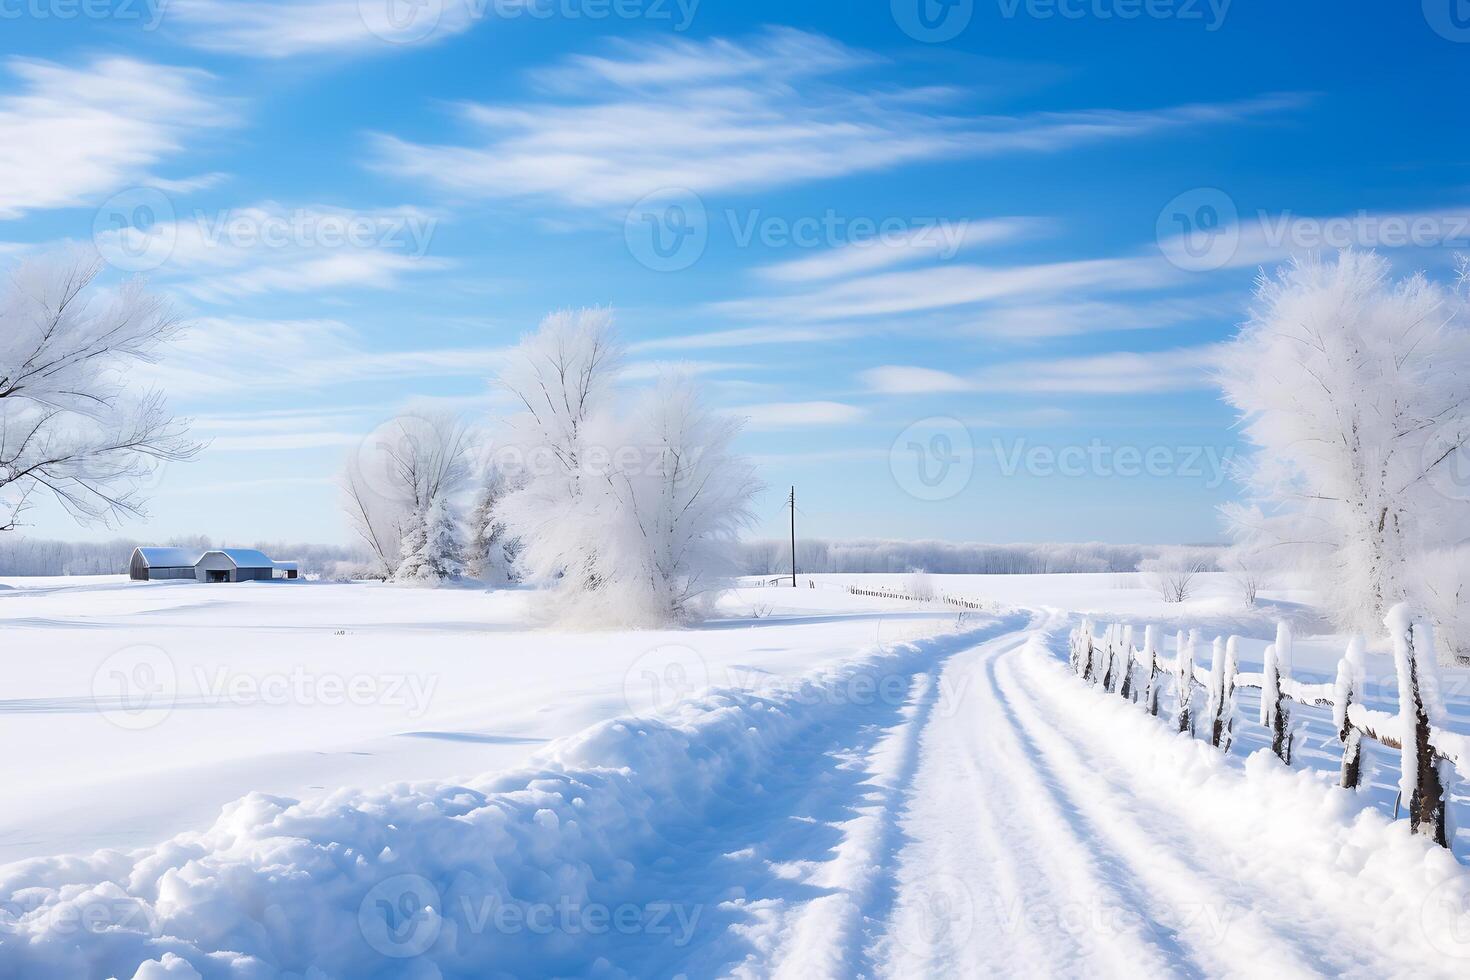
(957, 804)
(1052, 830)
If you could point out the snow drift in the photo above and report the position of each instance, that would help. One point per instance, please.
(543, 870)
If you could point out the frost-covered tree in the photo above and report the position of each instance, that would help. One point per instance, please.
(71, 425)
(413, 549)
(562, 377)
(1446, 576)
(1356, 391)
(490, 555)
(628, 510)
(376, 520)
(675, 503)
(432, 551)
(399, 471)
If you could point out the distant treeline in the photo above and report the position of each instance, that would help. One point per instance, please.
(39, 556)
(939, 557)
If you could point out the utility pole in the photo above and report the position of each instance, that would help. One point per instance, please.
(791, 502)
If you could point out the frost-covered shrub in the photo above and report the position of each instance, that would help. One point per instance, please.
(920, 585)
(1172, 575)
(1250, 570)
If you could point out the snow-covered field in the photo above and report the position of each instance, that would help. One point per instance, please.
(357, 780)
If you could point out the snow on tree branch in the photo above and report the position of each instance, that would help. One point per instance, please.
(629, 507)
(70, 424)
(1356, 391)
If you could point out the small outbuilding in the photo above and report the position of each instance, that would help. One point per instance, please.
(152, 564)
(215, 565)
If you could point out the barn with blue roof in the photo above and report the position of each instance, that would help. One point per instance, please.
(214, 565)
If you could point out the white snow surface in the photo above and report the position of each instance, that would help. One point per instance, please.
(818, 784)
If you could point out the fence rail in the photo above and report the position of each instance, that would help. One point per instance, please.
(947, 599)
(1428, 750)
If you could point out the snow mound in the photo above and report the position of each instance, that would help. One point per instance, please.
(536, 871)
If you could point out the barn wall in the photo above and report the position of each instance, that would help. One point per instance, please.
(213, 563)
(254, 574)
(162, 574)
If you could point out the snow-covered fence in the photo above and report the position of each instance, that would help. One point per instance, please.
(1428, 750)
(890, 594)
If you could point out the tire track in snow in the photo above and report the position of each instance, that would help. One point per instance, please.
(982, 812)
(829, 935)
(1169, 877)
(1201, 853)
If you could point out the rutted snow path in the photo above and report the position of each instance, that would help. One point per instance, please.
(958, 807)
(1052, 831)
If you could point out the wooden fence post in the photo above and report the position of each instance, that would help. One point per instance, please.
(1222, 690)
(1110, 655)
(1349, 687)
(1151, 654)
(1125, 689)
(1232, 669)
(1420, 779)
(1184, 678)
(1274, 713)
(1115, 662)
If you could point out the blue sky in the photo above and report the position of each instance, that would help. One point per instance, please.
(964, 279)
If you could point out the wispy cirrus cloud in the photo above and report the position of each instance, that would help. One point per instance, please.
(233, 252)
(284, 28)
(939, 287)
(72, 135)
(1116, 373)
(1045, 318)
(747, 337)
(723, 115)
(787, 415)
(941, 239)
(241, 354)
